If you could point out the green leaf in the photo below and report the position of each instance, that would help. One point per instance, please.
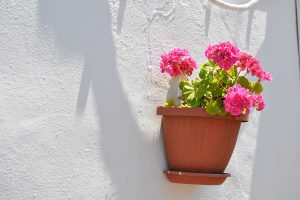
(232, 72)
(212, 63)
(223, 112)
(208, 95)
(244, 82)
(213, 85)
(212, 108)
(218, 91)
(215, 107)
(202, 73)
(192, 89)
(207, 64)
(193, 102)
(257, 87)
(193, 92)
(205, 84)
(223, 77)
(181, 85)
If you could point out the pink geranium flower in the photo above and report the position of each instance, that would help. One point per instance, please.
(215, 84)
(249, 63)
(177, 62)
(224, 54)
(238, 99)
(258, 102)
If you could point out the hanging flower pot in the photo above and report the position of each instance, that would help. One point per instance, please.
(200, 134)
(198, 146)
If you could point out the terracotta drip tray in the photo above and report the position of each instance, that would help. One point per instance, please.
(196, 178)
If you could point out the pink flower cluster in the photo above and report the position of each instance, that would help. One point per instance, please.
(258, 102)
(177, 62)
(250, 64)
(224, 54)
(238, 99)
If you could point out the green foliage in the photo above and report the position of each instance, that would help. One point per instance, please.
(252, 86)
(209, 89)
(202, 73)
(181, 84)
(243, 81)
(192, 92)
(256, 87)
(215, 107)
(232, 73)
(195, 102)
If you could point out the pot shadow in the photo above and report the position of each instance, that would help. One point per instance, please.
(134, 165)
(276, 168)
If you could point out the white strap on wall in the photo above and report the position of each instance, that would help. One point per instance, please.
(233, 6)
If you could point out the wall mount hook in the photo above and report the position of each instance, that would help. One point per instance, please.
(233, 6)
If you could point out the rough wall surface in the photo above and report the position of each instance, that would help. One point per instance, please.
(79, 86)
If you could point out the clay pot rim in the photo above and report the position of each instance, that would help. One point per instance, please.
(196, 112)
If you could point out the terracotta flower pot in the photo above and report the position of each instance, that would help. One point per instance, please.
(198, 146)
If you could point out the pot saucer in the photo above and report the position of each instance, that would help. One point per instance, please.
(196, 178)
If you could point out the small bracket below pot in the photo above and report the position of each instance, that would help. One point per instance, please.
(196, 178)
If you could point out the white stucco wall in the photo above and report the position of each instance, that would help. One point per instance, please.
(80, 82)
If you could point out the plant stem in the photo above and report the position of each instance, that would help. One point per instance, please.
(245, 74)
(183, 74)
(237, 77)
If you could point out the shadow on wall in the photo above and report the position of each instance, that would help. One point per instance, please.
(250, 12)
(277, 160)
(134, 165)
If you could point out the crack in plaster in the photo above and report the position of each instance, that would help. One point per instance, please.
(158, 13)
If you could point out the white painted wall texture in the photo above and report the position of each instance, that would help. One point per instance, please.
(80, 82)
